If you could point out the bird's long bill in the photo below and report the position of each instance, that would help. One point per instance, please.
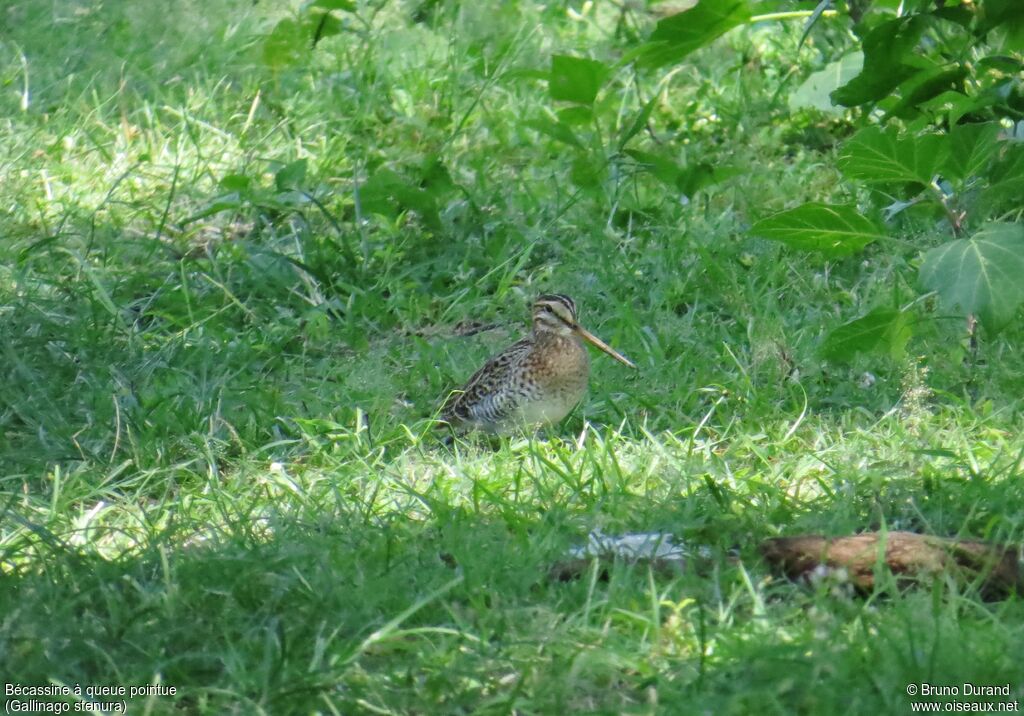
(595, 341)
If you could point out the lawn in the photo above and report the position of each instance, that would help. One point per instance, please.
(238, 274)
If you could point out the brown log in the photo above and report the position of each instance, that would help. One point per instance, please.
(909, 557)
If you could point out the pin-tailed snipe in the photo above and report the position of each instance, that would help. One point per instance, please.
(539, 379)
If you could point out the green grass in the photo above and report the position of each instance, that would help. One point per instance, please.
(219, 472)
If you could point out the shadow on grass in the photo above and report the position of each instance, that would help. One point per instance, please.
(455, 614)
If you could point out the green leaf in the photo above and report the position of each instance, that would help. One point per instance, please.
(881, 156)
(555, 130)
(575, 115)
(834, 230)
(817, 89)
(687, 180)
(584, 173)
(287, 44)
(639, 122)
(971, 147)
(344, 5)
(883, 330)
(925, 85)
(886, 47)
(291, 176)
(576, 79)
(678, 35)
(387, 192)
(236, 182)
(981, 275)
(695, 177)
(1006, 16)
(1006, 178)
(661, 167)
(225, 202)
(526, 74)
(955, 105)
(435, 177)
(318, 25)
(1001, 63)
(958, 14)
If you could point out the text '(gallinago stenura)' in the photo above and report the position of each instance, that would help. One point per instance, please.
(537, 380)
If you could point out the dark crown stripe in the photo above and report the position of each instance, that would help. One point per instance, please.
(558, 298)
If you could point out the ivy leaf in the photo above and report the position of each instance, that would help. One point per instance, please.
(971, 148)
(980, 275)
(576, 79)
(881, 156)
(678, 35)
(835, 230)
(883, 330)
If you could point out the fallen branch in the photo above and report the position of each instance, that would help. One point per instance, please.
(908, 556)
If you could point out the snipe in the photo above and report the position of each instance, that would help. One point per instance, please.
(537, 380)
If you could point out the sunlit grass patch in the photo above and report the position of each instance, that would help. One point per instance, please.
(233, 292)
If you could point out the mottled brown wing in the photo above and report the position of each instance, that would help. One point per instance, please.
(488, 391)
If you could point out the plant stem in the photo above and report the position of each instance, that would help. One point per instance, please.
(955, 221)
(791, 15)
